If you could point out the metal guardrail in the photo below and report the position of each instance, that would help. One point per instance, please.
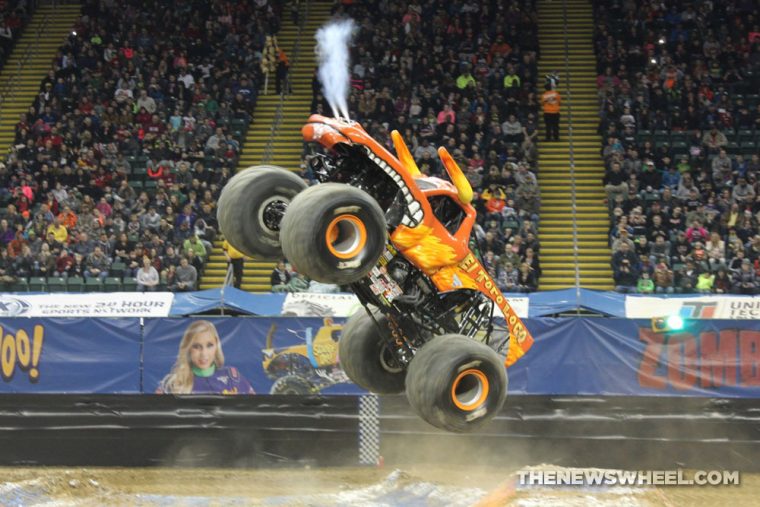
(269, 150)
(8, 88)
(571, 153)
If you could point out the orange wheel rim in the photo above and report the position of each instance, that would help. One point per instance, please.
(470, 390)
(346, 236)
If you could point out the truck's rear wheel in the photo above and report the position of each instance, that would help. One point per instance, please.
(456, 383)
(333, 233)
(251, 208)
(365, 356)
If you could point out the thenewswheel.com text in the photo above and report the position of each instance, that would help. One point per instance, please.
(628, 478)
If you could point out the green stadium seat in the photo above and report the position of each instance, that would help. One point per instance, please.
(37, 284)
(733, 148)
(150, 185)
(745, 135)
(137, 185)
(20, 285)
(680, 148)
(75, 284)
(679, 137)
(112, 284)
(748, 148)
(56, 284)
(93, 284)
(117, 269)
(130, 284)
(138, 174)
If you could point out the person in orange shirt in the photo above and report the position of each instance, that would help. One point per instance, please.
(68, 218)
(551, 101)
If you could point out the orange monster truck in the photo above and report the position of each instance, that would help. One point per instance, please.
(399, 240)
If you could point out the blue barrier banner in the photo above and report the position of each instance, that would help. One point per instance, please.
(81, 355)
(712, 358)
(252, 355)
(299, 355)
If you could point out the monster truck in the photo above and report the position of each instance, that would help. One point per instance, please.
(399, 240)
(306, 368)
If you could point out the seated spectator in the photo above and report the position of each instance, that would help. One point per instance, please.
(147, 276)
(186, 278)
(280, 278)
(526, 280)
(97, 264)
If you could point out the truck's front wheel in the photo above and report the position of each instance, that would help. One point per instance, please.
(333, 233)
(456, 383)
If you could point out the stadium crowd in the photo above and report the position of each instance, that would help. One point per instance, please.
(678, 85)
(117, 166)
(462, 75)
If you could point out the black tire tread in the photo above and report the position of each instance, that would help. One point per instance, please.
(358, 350)
(302, 221)
(429, 373)
(235, 203)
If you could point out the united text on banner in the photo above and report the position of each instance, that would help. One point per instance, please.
(705, 307)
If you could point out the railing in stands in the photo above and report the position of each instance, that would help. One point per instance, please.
(571, 154)
(287, 86)
(8, 88)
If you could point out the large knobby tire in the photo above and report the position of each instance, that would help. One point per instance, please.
(292, 384)
(456, 383)
(365, 357)
(333, 233)
(251, 206)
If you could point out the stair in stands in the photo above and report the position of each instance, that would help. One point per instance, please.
(29, 63)
(288, 143)
(578, 89)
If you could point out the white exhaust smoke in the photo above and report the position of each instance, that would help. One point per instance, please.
(333, 41)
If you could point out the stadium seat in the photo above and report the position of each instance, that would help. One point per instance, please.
(75, 284)
(37, 284)
(138, 174)
(93, 284)
(745, 135)
(117, 269)
(56, 284)
(130, 284)
(112, 284)
(748, 148)
(20, 285)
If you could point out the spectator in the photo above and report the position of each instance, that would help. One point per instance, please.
(97, 264)
(551, 102)
(186, 276)
(280, 278)
(526, 279)
(147, 277)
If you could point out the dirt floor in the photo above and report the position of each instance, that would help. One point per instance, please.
(414, 485)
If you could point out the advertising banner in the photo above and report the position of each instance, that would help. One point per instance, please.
(91, 304)
(70, 355)
(710, 358)
(707, 307)
(307, 304)
(572, 356)
(244, 356)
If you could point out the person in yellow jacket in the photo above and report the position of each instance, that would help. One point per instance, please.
(236, 259)
(551, 101)
(58, 230)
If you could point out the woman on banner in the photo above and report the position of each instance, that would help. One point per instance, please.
(200, 369)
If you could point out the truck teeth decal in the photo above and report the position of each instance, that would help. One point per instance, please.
(414, 214)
